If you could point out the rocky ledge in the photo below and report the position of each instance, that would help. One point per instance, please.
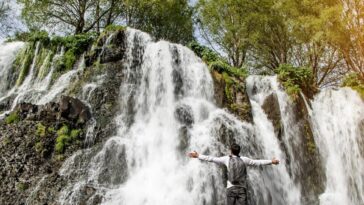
(34, 141)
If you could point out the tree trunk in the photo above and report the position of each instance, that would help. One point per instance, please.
(97, 17)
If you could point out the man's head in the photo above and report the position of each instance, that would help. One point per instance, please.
(235, 149)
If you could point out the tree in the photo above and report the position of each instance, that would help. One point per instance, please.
(3, 9)
(164, 19)
(350, 40)
(225, 23)
(313, 26)
(4, 18)
(78, 15)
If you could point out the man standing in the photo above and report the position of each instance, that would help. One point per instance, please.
(236, 192)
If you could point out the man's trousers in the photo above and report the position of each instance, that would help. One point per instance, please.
(236, 196)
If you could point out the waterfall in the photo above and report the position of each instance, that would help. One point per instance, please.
(166, 109)
(279, 187)
(338, 122)
(8, 52)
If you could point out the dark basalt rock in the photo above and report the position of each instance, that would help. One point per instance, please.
(69, 109)
(5, 104)
(238, 103)
(183, 114)
(112, 52)
(272, 110)
(73, 109)
(29, 164)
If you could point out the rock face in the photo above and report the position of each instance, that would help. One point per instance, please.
(232, 95)
(307, 156)
(28, 149)
(271, 108)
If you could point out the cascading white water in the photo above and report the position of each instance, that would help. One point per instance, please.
(8, 52)
(338, 125)
(158, 174)
(279, 186)
(150, 145)
(162, 78)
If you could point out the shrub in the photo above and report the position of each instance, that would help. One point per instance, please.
(296, 80)
(203, 52)
(354, 81)
(221, 67)
(32, 36)
(13, 117)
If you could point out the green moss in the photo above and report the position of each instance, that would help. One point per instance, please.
(13, 117)
(51, 130)
(24, 69)
(6, 141)
(113, 28)
(75, 133)
(69, 59)
(61, 142)
(43, 63)
(39, 147)
(354, 81)
(20, 186)
(65, 138)
(64, 130)
(41, 130)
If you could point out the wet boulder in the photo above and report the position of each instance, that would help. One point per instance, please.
(272, 110)
(74, 109)
(184, 115)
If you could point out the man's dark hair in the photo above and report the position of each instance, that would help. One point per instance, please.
(235, 149)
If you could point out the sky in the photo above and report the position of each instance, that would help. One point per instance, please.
(12, 21)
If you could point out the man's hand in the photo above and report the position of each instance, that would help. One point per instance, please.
(275, 161)
(193, 154)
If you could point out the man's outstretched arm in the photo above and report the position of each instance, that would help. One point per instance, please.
(252, 162)
(217, 160)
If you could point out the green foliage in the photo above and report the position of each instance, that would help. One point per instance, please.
(65, 138)
(221, 66)
(32, 36)
(170, 20)
(41, 130)
(354, 81)
(295, 80)
(216, 62)
(69, 60)
(232, 25)
(203, 52)
(74, 46)
(13, 117)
